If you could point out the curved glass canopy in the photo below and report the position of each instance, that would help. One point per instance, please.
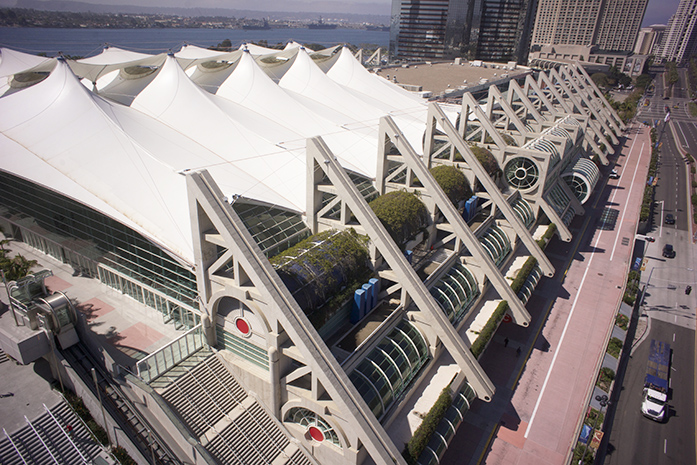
(455, 292)
(530, 284)
(543, 145)
(445, 431)
(307, 418)
(496, 243)
(582, 178)
(558, 199)
(524, 211)
(387, 370)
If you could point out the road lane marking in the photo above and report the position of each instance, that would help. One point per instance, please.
(683, 136)
(629, 193)
(568, 318)
(665, 446)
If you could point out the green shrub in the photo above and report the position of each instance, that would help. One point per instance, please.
(98, 432)
(489, 329)
(122, 456)
(547, 236)
(402, 214)
(584, 451)
(605, 378)
(486, 159)
(630, 292)
(523, 274)
(692, 170)
(645, 212)
(622, 321)
(614, 347)
(326, 269)
(423, 433)
(594, 418)
(453, 182)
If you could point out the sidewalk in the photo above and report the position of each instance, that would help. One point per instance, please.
(542, 395)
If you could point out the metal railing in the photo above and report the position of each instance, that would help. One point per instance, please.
(166, 357)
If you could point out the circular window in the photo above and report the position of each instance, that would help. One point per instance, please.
(316, 433)
(243, 326)
(522, 173)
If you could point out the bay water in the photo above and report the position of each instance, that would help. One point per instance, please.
(88, 42)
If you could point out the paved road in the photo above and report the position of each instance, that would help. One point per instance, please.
(638, 440)
(671, 313)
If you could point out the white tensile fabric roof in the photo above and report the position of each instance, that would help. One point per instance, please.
(127, 159)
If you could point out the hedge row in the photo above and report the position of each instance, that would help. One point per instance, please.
(544, 240)
(523, 274)
(422, 435)
(489, 329)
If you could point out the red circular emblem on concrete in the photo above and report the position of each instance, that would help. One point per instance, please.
(316, 433)
(507, 318)
(242, 326)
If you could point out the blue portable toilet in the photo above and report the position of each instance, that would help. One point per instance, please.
(376, 290)
(368, 288)
(358, 308)
(470, 208)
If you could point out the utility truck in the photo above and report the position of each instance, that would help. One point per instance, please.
(655, 401)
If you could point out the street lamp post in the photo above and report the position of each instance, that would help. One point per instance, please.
(99, 396)
(646, 286)
(603, 401)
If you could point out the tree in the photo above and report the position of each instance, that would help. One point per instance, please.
(643, 81)
(17, 267)
(600, 79)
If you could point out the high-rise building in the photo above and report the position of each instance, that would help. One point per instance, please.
(496, 30)
(681, 35)
(619, 24)
(650, 39)
(505, 30)
(609, 24)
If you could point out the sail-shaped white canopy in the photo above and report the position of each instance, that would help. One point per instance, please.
(56, 135)
(255, 167)
(123, 150)
(250, 87)
(13, 62)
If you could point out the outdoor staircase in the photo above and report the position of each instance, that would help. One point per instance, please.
(3, 357)
(47, 440)
(232, 426)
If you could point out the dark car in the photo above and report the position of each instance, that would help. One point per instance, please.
(668, 251)
(670, 219)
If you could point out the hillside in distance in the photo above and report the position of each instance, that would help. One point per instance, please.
(292, 10)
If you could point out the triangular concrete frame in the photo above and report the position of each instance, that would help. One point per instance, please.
(514, 90)
(599, 111)
(321, 160)
(583, 104)
(510, 116)
(593, 125)
(215, 223)
(586, 80)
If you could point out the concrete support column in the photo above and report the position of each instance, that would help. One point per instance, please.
(275, 380)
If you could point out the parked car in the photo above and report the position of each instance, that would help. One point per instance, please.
(668, 251)
(670, 219)
(614, 176)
